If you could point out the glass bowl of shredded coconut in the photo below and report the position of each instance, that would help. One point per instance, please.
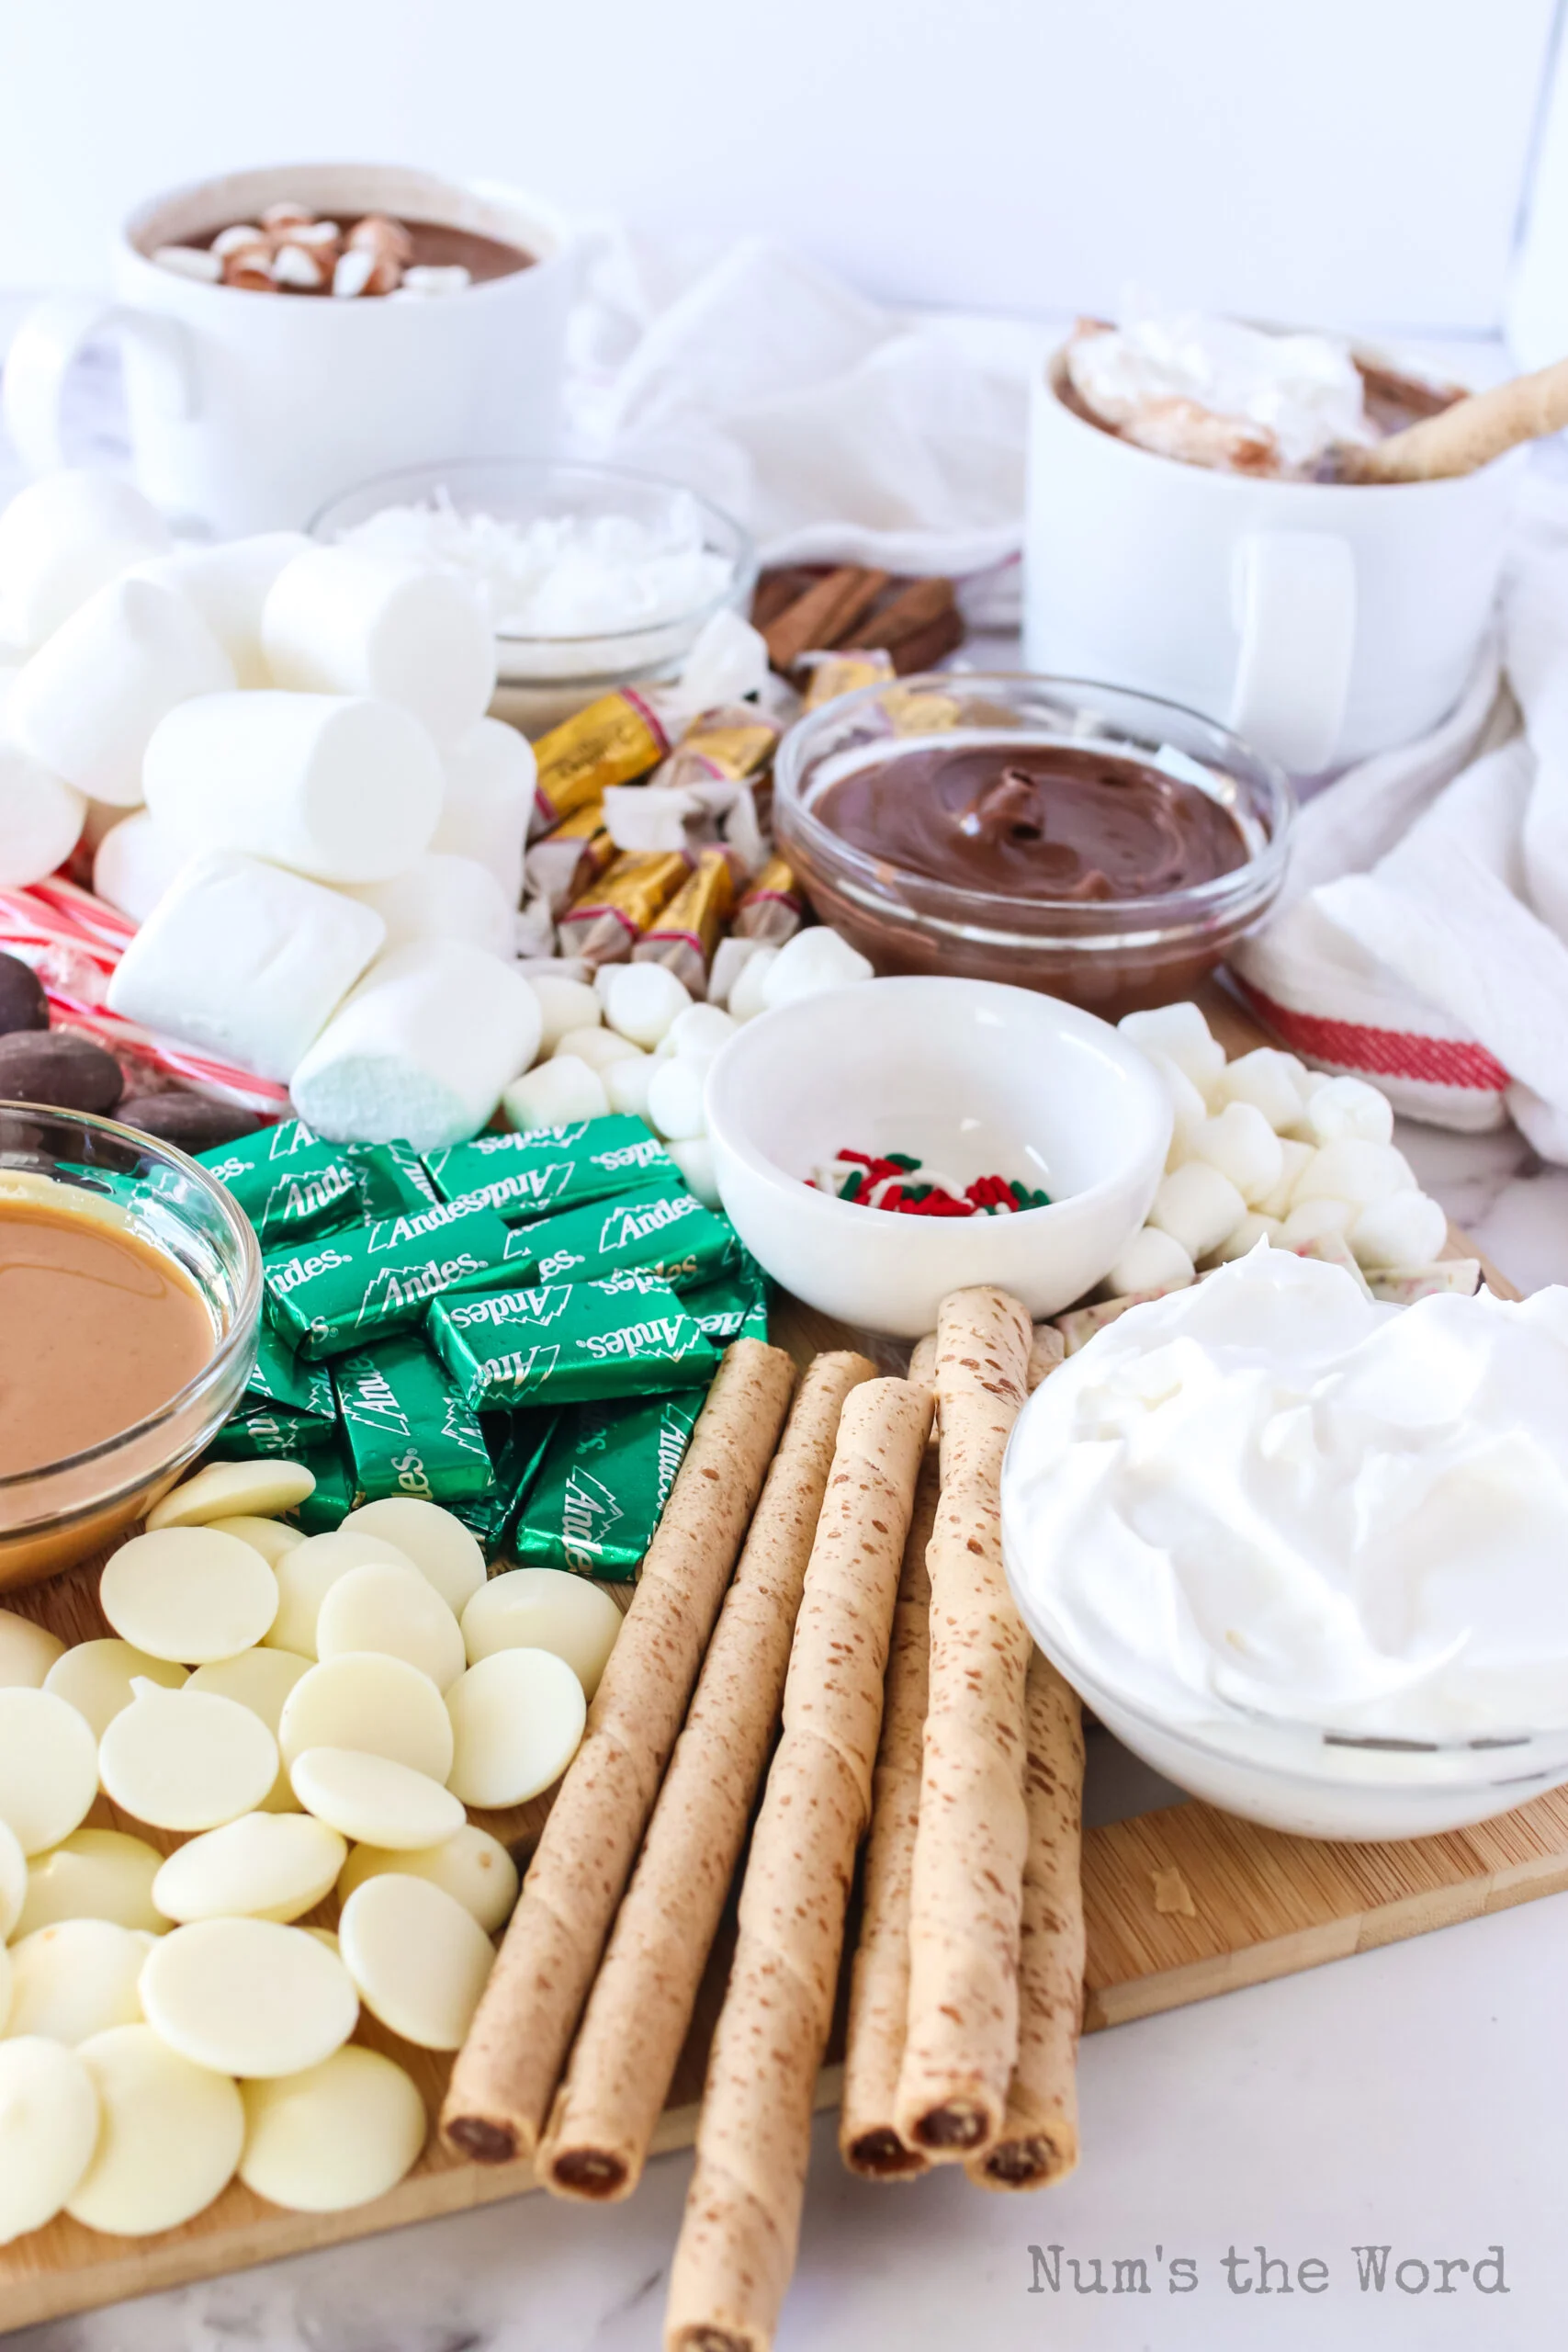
(594, 577)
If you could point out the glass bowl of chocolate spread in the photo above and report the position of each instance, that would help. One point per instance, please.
(1103, 846)
(130, 1297)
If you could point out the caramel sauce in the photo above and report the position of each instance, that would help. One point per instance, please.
(97, 1329)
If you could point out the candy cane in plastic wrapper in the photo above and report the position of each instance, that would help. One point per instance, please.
(74, 942)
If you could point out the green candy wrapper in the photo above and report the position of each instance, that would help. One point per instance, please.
(517, 1442)
(603, 1483)
(533, 1175)
(347, 1290)
(269, 1431)
(568, 1342)
(281, 1378)
(665, 1233)
(734, 1307)
(391, 1180)
(334, 1495)
(290, 1183)
(409, 1431)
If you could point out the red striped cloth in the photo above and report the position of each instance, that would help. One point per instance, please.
(1378, 1053)
(74, 942)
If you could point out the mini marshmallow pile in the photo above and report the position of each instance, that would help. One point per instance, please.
(309, 1714)
(635, 1041)
(282, 756)
(1266, 1149)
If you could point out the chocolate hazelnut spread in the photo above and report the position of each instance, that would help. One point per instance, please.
(1044, 821)
(97, 1330)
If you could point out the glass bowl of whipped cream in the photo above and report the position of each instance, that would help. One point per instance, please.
(1302, 1552)
(594, 577)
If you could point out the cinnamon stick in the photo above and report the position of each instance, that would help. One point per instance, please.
(507, 2072)
(907, 615)
(818, 618)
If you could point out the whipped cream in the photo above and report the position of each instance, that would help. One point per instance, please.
(1268, 1498)
(1303, 389)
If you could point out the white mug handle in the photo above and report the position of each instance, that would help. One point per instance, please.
(45, 346)
(1294, 600)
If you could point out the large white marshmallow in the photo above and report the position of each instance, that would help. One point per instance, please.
(1198, 1207)
(1344, 1107)
(340, 788)
(136, 862)
(488, 805)
(244, 960)
(40, 819)
(62, 539)
(1352, 1169)
(228, 585)
(808, 965)
(1181, 1034)
(422, 1050)
(1271, 1081)
(564, 1005)
(441, 897)
(556, 1094)
(1404, 1228)
(88, 701)
(340, 622)
(1241, 1145)
(641, 1000)
(1152, 1261)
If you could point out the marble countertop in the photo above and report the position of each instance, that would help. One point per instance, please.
(1409, 2098)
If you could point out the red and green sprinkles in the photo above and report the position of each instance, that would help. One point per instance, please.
(899, 1181)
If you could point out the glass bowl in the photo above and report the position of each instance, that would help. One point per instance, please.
(1110, 955)
(54, 1516)
(543, 679)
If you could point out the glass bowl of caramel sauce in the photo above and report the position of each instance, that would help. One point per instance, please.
(129, 1297)
(1061, 834)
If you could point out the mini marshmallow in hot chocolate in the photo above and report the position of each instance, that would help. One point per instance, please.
(88, 703)
(246, 960)
(443, 897)
(228, 585)
(488, 800)
(62, 538)
(136, 862)
(41, 817)
(421, 1049)
(340, 622)
(340, 788)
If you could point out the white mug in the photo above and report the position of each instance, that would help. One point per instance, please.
(249, 411)
(1321, 621)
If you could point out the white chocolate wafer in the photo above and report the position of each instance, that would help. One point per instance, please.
(471, 1865)
(271, 1537)
(517, 1718)
(48, 1766)
(93, 1874)
(264, 1866)
(247, 1997)
(395, 1611)
(336, 2135)
(418, 1959)
(27, 1652)
(259, 1680)
(184, 1760)
(437, 1541)
(169, 2139)
(12, 1880)
(373, 1799)
(305, 1574)
(188, 1594)
(49, 2128)
(76, 1979)
(230, 1489)
(377, 1705)
(545, 1609)
(94, 1678)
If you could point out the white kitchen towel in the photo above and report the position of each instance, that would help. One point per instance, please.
(837, 430)
(1424, 938)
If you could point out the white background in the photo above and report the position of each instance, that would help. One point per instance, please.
(1341, 160)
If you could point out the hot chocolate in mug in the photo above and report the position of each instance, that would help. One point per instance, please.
(248, 411)
(1322, 621)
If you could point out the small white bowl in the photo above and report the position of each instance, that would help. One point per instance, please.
(976, 1079)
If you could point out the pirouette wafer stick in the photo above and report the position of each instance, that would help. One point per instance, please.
(507, 2070)
(1468, 434)
(1039, 2141)
(624, 2058)
(968, 1884)
(879, 1984)
(742, 2218)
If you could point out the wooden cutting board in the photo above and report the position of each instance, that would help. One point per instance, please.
(1180, 1904)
